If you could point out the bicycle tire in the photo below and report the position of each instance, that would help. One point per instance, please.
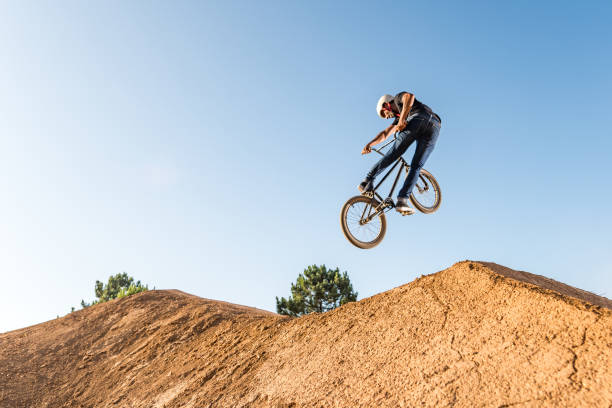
(427, 209)
(346, 230)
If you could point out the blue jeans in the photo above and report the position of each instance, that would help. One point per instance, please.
(424, 128)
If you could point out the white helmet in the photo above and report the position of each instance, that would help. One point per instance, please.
(383, 99)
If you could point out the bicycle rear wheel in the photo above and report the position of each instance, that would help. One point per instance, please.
(426, 194)
(362, 235)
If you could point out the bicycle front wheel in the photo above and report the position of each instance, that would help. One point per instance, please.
(360, 231)
(426, 194)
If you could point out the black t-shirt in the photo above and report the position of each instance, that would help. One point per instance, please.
(417, 106)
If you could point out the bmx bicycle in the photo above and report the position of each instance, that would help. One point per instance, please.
(363, 218)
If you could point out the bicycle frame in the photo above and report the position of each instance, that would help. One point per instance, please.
(386, 203)
(399, 172)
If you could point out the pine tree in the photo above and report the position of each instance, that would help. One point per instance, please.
(318, 289)
(118, 286)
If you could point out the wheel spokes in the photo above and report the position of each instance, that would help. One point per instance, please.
(363, 232)
(424, 193)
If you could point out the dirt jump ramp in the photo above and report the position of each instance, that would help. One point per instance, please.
(474, 335)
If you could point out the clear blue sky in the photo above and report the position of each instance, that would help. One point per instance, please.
(209, 146)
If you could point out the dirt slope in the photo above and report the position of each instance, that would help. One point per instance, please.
(476, 334)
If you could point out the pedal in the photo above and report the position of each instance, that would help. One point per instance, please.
(406, 212)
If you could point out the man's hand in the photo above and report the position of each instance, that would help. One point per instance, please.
(398, 128)
(367, 149)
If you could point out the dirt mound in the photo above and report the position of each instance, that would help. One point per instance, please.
(476, 334)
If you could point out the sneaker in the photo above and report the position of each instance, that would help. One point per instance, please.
(366, 186)
(403, 207)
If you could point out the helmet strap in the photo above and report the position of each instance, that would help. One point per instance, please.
(387, 106)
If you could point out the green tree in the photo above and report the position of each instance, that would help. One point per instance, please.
(318, 289)
(118, 286)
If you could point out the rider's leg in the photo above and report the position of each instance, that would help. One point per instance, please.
(425, 145)
(403, 142)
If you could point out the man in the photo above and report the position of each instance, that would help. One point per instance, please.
(413, 121)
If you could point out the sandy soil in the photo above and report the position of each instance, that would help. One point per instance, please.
(474, 335)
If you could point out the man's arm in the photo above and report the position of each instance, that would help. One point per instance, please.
(407, 101)
(381, 137)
